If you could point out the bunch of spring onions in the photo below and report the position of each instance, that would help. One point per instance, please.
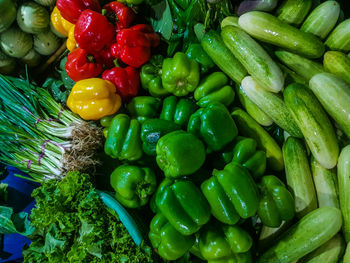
(41, 137)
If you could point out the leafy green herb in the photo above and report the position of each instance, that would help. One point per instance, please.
(75, 226)
(163, 22)
(11, 223)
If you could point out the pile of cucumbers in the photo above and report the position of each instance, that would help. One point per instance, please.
(25, 34)
(291, 65)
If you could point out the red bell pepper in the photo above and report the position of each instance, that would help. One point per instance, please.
(93, 31)
(82, 65)
(119, 14)
(134, 45)
(107, 57)
(126, 80)
(71, 9)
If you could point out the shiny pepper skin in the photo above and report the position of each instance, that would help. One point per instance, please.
(185, 207)
(126, 80)
(121, 15)
(223, 243)
(179, 153)
(133, 185)
(59, 23)
(276, 203)
(71, 43)
(134, 45)
(231, 193)
(71, 9)
(168, 242)
(82, 65)
(93, 31)
(123, 138)
(93, 99)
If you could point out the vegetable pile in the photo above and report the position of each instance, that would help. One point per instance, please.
(26, 34)
(225, 125)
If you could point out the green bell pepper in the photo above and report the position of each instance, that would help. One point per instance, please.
(214, 125)
(123, 140)
(196, 52)
(245, 153)
(185, 207)
(151, 76)
(179, 153)
(177, 110)
(180, 75)
(133, 185)
(152, 130)
(214, 88)
(7, 14)
(276, 203)
(166, 182)
(144, 107)
(223, 243)
(231, 193)
(106, 122)
(168, 242)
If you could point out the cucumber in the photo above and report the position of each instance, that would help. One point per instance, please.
(293, 11)
(326, 184)
(254, 58)
(330, 252)
(338, 64)
(230, 21)
(312, 231)
(339, 39)
(272, 105)
(268, 28)
(291, 76)
(314, 124)
(269, 235)
(304, 67)
(261, 5)
(344, 186)
(322, 19)
(334, 95)
(299, 178)
(250, 128)
(346, 257)
(253, 110)
(222, 57)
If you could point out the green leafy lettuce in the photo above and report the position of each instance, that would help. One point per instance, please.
(73, 225)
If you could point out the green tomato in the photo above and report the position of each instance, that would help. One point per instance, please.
(15, 43)
(32, 58)
(33, 18)
(7, 64)
(46, 2)
(7, 14)
(46, 43)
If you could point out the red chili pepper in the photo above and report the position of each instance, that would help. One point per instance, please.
(93, 31)
(134, 45)
(71, 9)
(82, 65)
(126, 80)
(119, 14)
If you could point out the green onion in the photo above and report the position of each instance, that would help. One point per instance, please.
(41, 137)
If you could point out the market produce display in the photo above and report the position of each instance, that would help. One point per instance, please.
(175, 131)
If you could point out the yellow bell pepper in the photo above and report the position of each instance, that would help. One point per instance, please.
(93, 98)
(59, 23)
(71, 43)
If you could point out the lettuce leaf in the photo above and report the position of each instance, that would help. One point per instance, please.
(11, 223)
(77, 227)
